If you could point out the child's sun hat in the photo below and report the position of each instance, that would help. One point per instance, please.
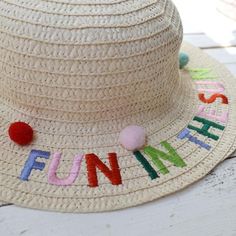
(103, 107)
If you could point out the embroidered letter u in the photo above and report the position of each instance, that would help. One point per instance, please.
(52, 176)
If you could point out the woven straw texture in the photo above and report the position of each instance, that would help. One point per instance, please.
(79, 71)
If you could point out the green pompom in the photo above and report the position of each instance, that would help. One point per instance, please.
(183, 60)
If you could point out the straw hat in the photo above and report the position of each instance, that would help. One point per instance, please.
(95, 113)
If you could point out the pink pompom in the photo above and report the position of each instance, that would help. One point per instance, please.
(132, 138)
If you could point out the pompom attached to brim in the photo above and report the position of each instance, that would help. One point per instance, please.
(21, 133)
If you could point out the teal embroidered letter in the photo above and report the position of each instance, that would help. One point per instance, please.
(206, 126)
(152, 173)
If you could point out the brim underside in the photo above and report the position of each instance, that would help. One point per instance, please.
(136, 187)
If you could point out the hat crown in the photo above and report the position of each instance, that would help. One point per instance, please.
(89, 60)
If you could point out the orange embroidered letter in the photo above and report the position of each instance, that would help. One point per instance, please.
(213, 97)
(112, 174)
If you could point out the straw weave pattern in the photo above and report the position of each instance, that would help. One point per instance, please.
(100, 57)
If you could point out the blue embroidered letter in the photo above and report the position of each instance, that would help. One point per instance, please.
(31, 163)
(186, 134)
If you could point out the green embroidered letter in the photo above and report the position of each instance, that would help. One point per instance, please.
(171, 156)
(206, 126)
(201, 73)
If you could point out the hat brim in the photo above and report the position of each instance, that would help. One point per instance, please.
(137, 187)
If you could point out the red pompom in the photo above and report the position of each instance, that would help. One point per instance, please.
(21, 133)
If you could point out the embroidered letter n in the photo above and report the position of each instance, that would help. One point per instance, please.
(112, 174)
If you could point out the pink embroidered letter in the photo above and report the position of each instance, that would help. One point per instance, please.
(212, 114)
(219, 87)
(52, 176)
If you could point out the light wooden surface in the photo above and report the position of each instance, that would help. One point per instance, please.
(208, 207)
